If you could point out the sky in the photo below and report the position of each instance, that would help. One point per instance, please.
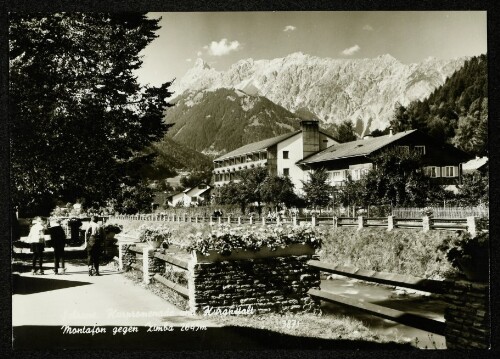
(223, 38)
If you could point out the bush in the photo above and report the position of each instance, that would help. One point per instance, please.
(468, 254)
(154, 233)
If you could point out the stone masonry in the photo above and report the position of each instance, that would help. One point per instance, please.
(467, 316)
(278, 284)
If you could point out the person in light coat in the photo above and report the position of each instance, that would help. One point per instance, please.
(36, 240)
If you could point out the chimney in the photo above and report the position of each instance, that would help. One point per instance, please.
(310, 137)
(390, 131)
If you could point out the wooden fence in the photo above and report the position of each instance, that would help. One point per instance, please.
(391, 222)
(443, 212)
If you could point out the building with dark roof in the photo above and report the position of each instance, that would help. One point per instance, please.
(442, 162)
(280, 155)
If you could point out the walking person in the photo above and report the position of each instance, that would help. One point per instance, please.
(94, 245)
(36, 240)
(58, 237)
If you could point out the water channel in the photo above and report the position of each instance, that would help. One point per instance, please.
(419, 303)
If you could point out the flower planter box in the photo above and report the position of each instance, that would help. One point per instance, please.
(264, 252)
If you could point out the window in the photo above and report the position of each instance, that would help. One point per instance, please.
(285, 155)
(336, 174)
(420, 150)
(404, 149)
(355, 174)
(432, 171)
(450, 171)
(286, 172)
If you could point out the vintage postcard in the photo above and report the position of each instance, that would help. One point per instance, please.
(249, 180)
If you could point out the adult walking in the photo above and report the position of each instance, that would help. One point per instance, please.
(94, 245)
(36, 240)
(58, 238)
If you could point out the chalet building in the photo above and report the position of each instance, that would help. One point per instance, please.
(279, 155)
(442, 162)
(197, 195)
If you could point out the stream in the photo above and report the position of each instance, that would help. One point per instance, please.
(414, 302)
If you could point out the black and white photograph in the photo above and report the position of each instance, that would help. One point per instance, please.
(249, 180)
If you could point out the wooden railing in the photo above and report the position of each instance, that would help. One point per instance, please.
(413, 320)
(425, 223)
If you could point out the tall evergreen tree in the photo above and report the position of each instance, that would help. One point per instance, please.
(80, 120)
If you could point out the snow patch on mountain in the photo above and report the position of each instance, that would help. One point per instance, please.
(333, 90)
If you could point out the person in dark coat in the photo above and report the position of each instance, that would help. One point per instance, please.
(58, 239)
(94, 245)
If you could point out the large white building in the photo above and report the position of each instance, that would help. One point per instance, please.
(279, 155)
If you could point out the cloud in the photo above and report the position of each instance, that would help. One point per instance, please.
(199, 53)
(289, 28)
(223, 47)
(351, 50)
(368, 27)
(189, 60)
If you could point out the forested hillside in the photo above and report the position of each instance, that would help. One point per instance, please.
(171, 157)
(456, 112)
(223, 120)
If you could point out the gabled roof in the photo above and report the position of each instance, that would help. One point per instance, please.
(196, 192)
(257, 146)
(475, 164)
(354, 148)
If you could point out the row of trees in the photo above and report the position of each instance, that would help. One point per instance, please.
(396, 179)
(256, 186)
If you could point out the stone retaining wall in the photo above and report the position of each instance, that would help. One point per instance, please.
(467, 316)
(278, 284)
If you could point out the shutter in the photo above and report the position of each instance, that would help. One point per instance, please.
(455, 171)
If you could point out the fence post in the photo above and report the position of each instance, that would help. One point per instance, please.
(361, 222)
(145, 264)
(196, 219)
(294, 221)
(471, 226)
(313, 221)
(426, 223)
(263, 221)
(211, 220)
(120, 255)
(219, 219)
(228, 219)
(250, 220)
(335, 222)
(184, 219)
(390, 223)
(239, 220)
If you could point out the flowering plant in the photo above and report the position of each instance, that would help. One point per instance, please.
(150, 234)
(225, 239)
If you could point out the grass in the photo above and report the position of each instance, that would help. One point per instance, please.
(408, 252)
(308, 325)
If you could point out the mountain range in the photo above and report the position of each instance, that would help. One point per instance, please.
(363, 91)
